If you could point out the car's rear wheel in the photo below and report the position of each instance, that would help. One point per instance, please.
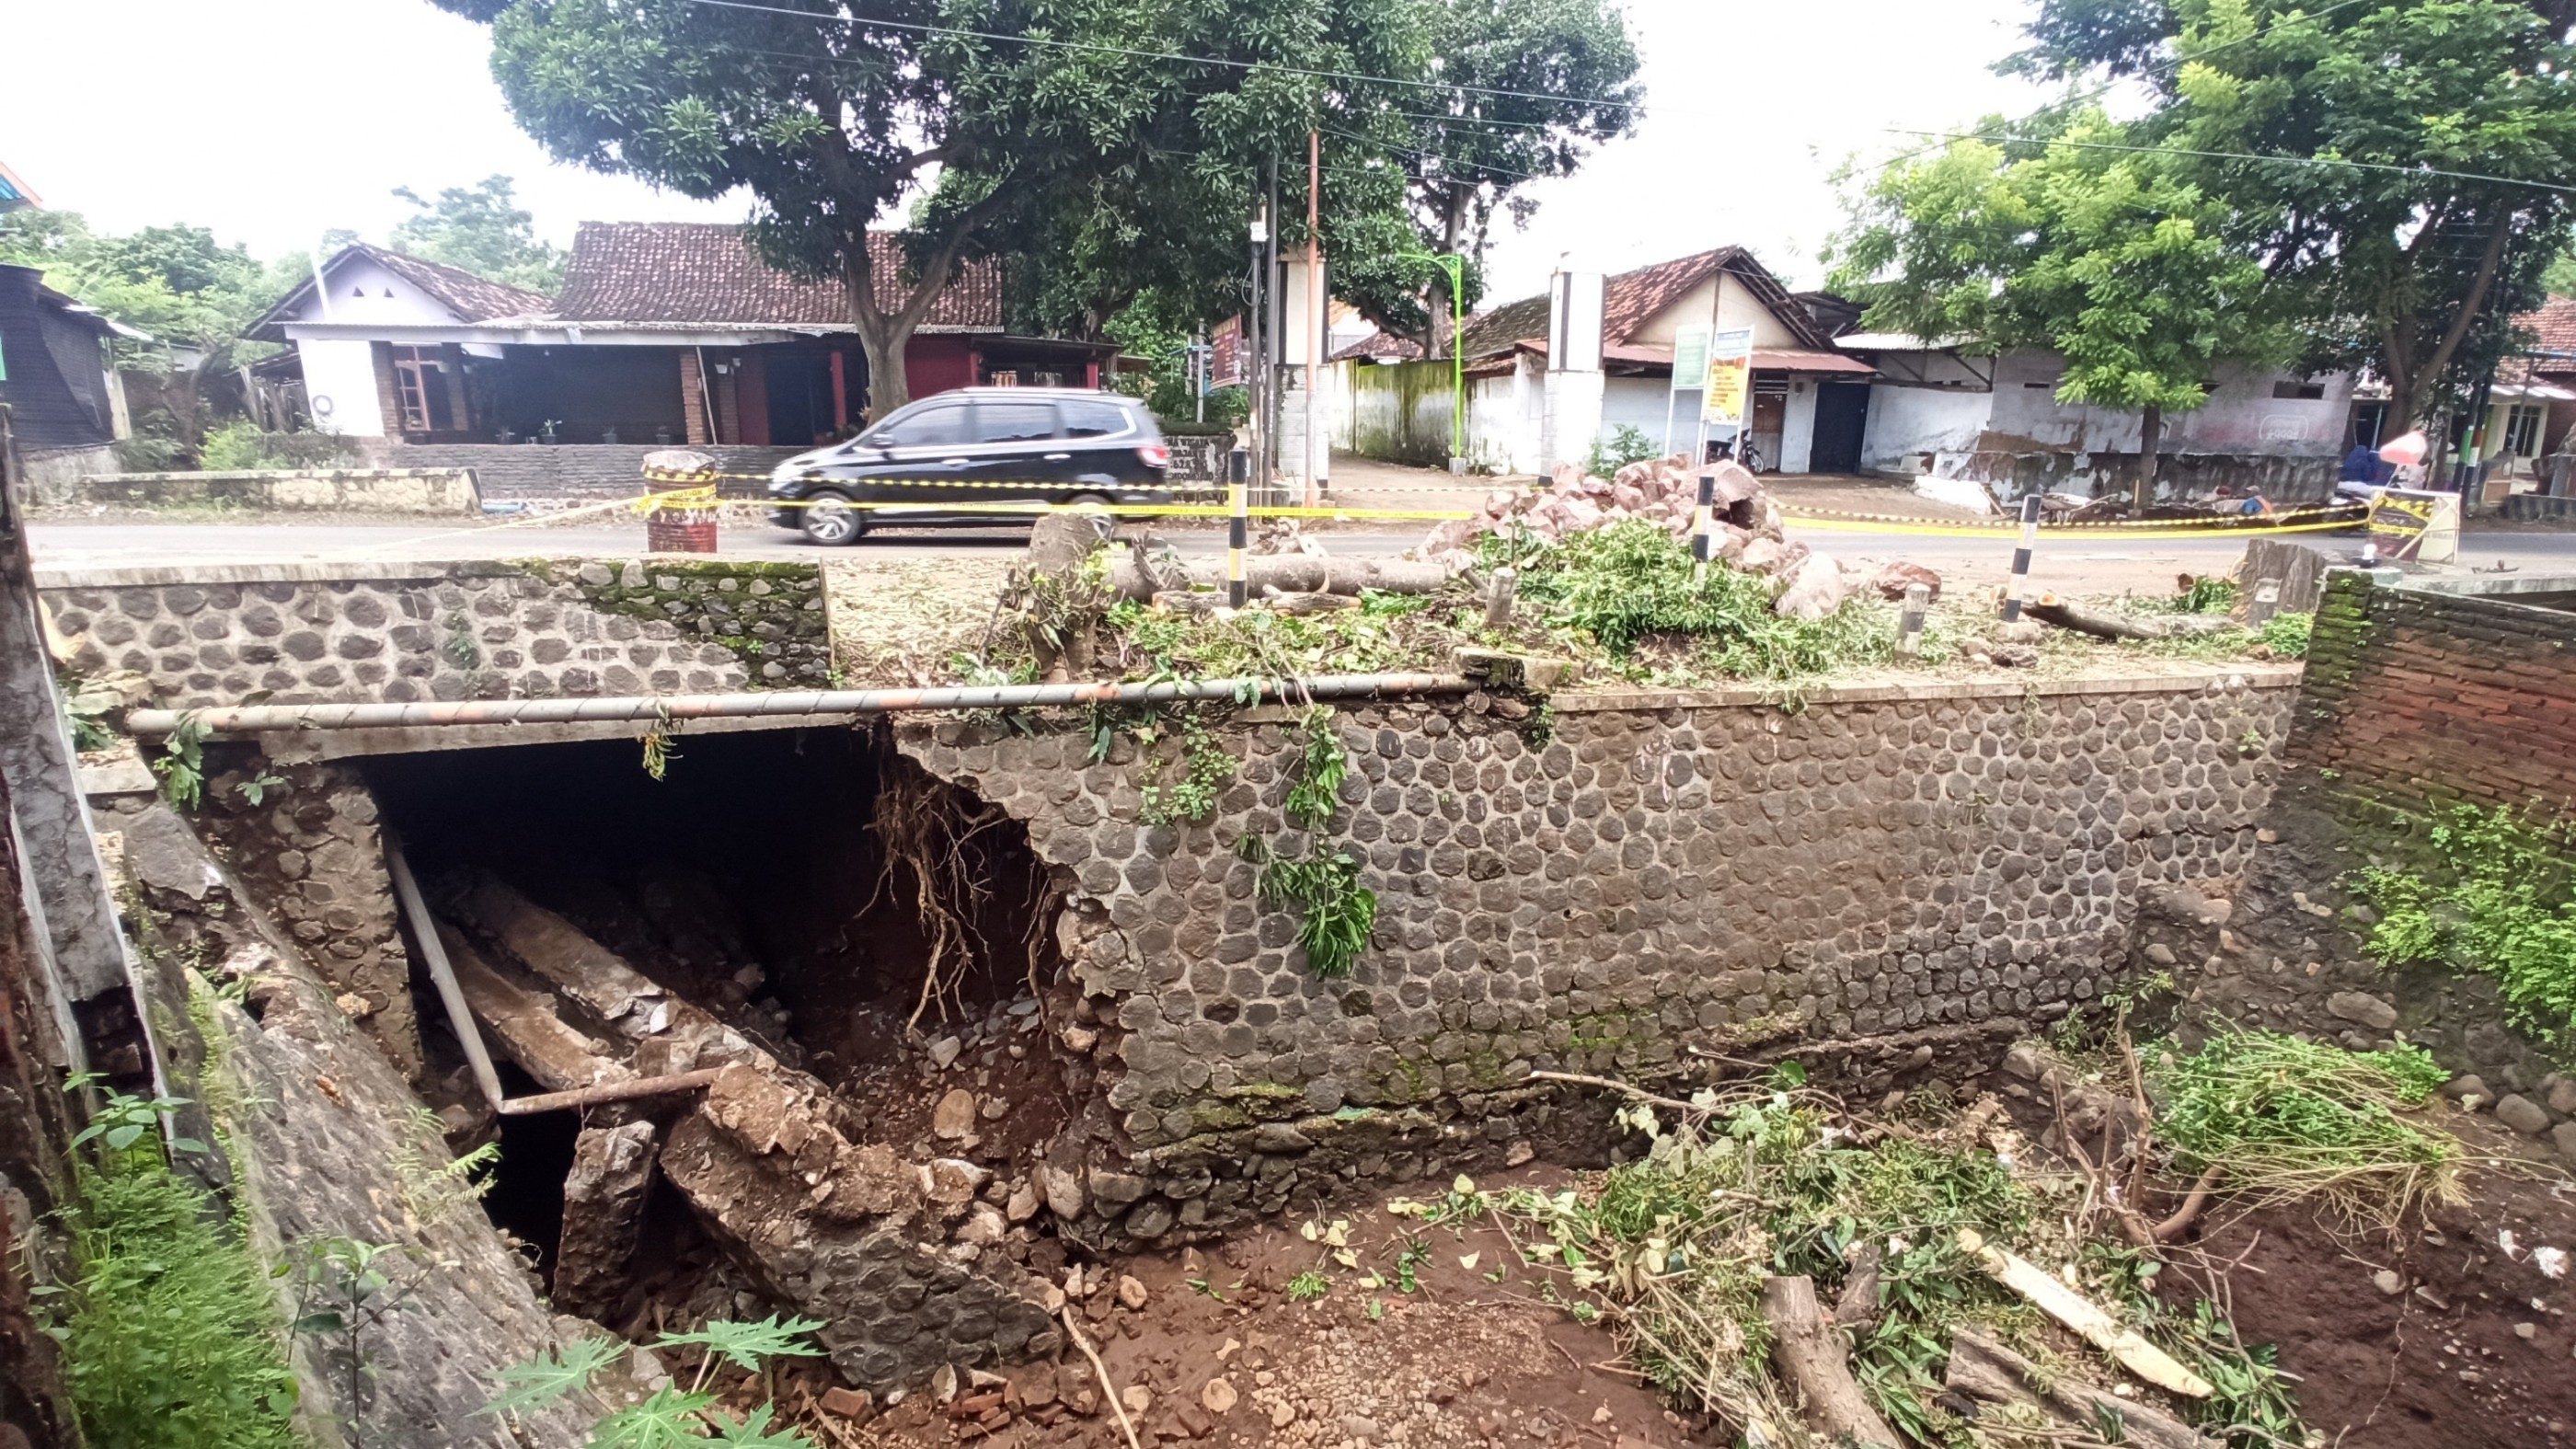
(831, 521)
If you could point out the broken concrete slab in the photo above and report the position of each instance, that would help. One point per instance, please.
(603, 1210)
(525, 1024)
(596, 978)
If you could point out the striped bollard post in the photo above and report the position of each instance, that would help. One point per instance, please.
(1704, 526)
(1909, 624)
(2021, 557)
(1238, 529)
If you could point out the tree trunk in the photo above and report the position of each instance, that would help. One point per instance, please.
(1808, 1350)
(2151, 437)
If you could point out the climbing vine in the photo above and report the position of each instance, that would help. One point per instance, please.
(1206, 769)
(1315, 780)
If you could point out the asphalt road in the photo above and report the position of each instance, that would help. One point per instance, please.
(2066, 562)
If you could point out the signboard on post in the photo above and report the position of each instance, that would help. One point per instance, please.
(2415, 524)
(1730, 378)
(1690, 357)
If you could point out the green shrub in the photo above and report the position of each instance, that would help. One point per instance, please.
(240, 446)
(2282, 1118)
(170, 1335)
(1633, 581)
(2505, 910)
(1627, 445)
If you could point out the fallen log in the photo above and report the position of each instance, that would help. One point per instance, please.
(1986, 1371)
(2112, 624)
(1810, 1354)
(2084, 1316)
(1289, 574)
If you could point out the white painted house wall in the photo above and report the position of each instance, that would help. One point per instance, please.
(341, 371)
(1798, 426)
(340, 384)
(1736, 307)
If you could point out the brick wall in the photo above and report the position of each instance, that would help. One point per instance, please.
(2420, 700)
(2414, 701)
(1879, 876)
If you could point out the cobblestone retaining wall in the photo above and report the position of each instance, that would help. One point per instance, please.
(1669, 872)
(446, 631)
(2414, 701)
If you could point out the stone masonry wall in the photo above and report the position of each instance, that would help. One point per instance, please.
(215, 634)
(571, 472)
(372, 490)
(2413, 702)
(1667, 873)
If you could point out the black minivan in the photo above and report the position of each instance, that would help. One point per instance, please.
(975, 445)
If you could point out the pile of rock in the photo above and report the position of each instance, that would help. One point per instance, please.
(1664, 492)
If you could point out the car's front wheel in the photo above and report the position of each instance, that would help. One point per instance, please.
(831, 521)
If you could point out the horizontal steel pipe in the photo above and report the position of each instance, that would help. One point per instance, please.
(246, 719)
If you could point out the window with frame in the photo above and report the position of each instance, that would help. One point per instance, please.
(2522, 429)
(937, 426)
(1094, 419)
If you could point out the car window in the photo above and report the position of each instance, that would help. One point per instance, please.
(1094, 419)
(1013, 422)
(931, 427)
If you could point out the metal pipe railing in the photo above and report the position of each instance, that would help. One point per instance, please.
(242, 719)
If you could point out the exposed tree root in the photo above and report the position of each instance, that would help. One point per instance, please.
(929, 832)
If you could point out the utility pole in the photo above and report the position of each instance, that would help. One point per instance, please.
(1256, 352)
(1314, 310)
(1274, 353)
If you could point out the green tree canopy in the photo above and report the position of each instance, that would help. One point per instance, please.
(2110, 257)
(175, 282)
(2389, 164)
(481, 229)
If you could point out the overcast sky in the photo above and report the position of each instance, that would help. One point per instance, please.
(273, 120)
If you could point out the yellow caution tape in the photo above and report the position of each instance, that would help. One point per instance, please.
(679, 498)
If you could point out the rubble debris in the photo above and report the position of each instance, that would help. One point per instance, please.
(1988, 1372)
(525, 1024)
(603, 1210)
(1810, 1355)
(1664, 492)
(954, 1117)
(1893, 580)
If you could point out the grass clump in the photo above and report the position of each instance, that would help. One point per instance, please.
(1633, 583)
(2501, 905)
(170, 1334)
(2281, 1118)
(1335, 913)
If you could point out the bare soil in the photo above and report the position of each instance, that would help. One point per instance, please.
(1471, 1357)
(2443, 1363)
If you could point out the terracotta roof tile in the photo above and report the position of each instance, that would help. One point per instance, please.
(2552, 327)
(666, 271)
(471, 298)
(1631, 299)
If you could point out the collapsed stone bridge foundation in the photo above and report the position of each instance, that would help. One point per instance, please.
(969, 1009)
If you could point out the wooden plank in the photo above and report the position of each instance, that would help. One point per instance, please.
(1984, 1369)
(2084, 1316)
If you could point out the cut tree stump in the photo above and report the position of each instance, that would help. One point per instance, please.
(1990, 1373)
(2301, 571)
(1811, 1356)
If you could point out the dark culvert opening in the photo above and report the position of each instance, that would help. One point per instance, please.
(753, 881)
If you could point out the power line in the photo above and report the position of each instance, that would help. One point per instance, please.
(2241, 156)
(1096, 47)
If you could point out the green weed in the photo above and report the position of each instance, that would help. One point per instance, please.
(169, 1333)
(2504, 909)
(1308, 1286)
(2282, 1118)
(1335, 913)
(1315, 781)
(1206, 769)
(671, 1417)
